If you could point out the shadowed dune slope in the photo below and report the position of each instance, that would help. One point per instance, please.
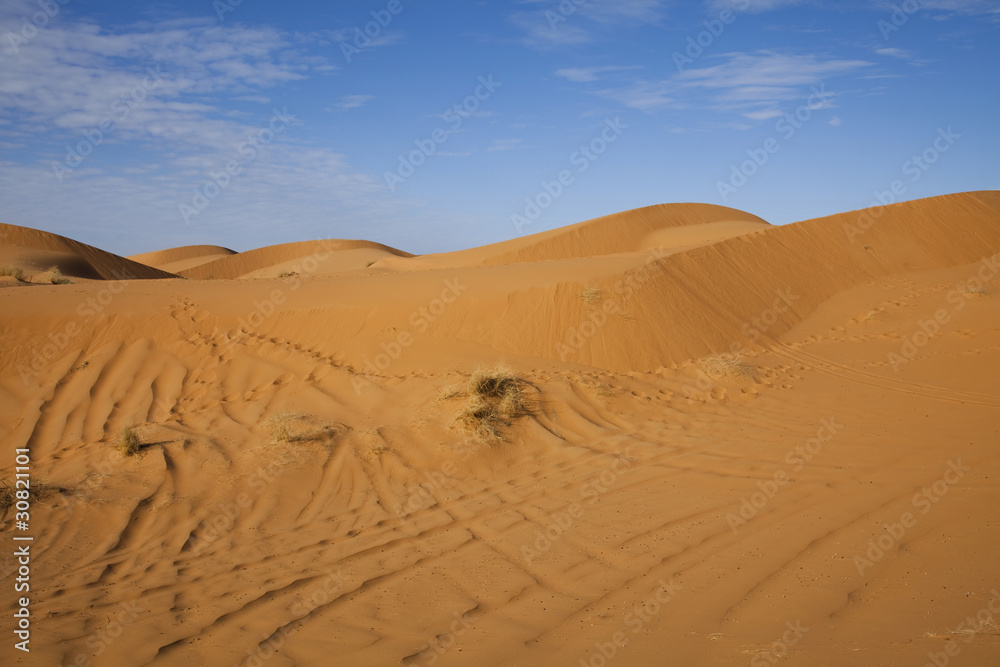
(184, 257)
(38, 250)
(309, 257)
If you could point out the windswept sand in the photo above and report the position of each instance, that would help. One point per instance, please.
(747, 444)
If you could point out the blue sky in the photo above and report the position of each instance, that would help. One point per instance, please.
(141, 126)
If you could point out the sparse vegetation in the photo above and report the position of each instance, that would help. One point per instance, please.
(8, 494)
(496, 398)
(592, 295)
(129, 443)
(969, 290)
(287, 274)
(57, 278)
(720, 367)
(13, 272)
(280, 426)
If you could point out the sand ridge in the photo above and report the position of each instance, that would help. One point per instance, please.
(739, 443)
(32, 250)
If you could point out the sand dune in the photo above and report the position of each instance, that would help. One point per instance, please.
(35, 251)
(185, 257)
(309, 257)
(733, 443)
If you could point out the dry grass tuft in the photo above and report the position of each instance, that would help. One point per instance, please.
(13, 272)
(592, 295)
(974, 291)
(496, 399)
(8, 494)
(57, 278)
(281, 427)
(129, 443)
(720, 367)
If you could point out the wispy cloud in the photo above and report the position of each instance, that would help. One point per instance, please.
(505, 145)
(752, 6)
(557, 24)
(352, 102)
(753, 84)
(70, 79)
(588, 74)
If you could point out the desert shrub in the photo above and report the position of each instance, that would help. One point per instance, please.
(12, 271)
(592, 295)
(495, 399)
(57, 278)
(129, 442)
(37, 491)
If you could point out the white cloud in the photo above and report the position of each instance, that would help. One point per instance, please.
(753, 84)
(506, 145)
(642, 95)
(353, 102)
(569, 23)
(764, 114)
(750, 6)
(587, 74)
(836, 122)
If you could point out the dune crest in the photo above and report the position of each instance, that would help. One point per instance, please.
(174, 260)
(677, 431)
(35, 250)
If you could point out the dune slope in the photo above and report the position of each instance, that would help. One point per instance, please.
(37, 249)
(311, 257)
(771, 445)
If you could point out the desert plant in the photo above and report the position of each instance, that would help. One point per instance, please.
(496, 398)
(12, 271)
(129, 441)
(37, 491)
(57, 278)
(720, 366)
(592, 295)
(280, 426)
(969, 290)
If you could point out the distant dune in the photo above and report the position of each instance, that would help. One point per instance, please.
(272, 261)
(673, 435)
(35, 251)
(179, 259)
